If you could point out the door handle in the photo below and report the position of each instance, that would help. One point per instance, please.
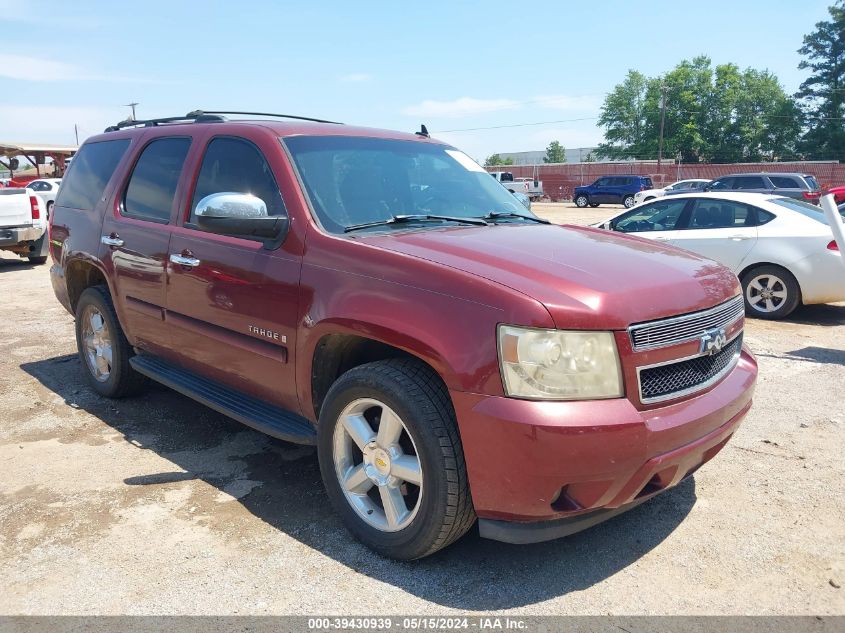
(661, 239)
(739, 238)
(184, 260)
(111, 240)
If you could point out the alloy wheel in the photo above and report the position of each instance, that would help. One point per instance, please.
(766, 293)
(377, 465)
(97, 343)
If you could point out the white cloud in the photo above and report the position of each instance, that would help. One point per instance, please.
(356, 78)
(26, 68)
(586, 103)
(54, 124)
(464, 106)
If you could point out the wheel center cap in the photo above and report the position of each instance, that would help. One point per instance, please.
(381, 460)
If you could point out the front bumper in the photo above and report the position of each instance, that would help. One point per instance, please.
(540, 470)
(17, 235)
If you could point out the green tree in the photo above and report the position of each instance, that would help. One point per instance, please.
(719, 114)
(624, 117)
(555, 153)
(494, 160)
(822, 94)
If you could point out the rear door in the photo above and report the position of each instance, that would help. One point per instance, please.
(723, 230)
(136, 236)
(232, 307)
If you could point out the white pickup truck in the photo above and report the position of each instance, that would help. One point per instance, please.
(529, 186)
(23, 224)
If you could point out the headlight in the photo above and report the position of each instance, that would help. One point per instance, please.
(559, 365)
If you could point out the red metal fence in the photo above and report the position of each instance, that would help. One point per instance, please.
(560, 179)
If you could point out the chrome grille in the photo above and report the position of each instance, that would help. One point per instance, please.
(687, 327)
(679, 378)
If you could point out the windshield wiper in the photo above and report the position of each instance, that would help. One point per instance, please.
(495, 215)
(402, 219)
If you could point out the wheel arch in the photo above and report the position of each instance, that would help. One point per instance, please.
(81, 274)
(336, 352)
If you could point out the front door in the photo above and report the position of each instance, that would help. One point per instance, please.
(655, 220)
(136, 236)
(722, 230)
(231, 302)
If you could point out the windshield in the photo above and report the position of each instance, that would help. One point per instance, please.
(356, 180)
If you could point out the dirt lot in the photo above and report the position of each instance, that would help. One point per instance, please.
(158, 505)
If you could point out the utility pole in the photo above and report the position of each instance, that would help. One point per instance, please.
(662, 121)
(132, 105)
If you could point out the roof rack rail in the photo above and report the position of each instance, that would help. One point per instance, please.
(281, 116)
(197, 116)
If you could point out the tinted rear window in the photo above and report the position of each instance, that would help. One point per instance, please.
(748, 182)
(785, 182)
(152, 185)
(89, 173)
(811, 180)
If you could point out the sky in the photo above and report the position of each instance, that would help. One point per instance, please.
(454, 66)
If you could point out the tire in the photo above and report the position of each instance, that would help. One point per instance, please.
(114, 378)
(410, 392)
(594, 204)
(49, 209)
(581, 201)
(628, 201)
(786, 292)
(37, 259)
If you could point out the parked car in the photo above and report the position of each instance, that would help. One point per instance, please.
(838, 194)
(782, 249)
(794, 185)
(611, 190)
(682, 186)
(451, 355)
(46, 189)
(23, 224)
(529, 186)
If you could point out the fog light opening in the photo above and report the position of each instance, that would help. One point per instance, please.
(564, 503)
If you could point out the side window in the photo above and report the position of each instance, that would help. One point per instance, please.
(749, 182)
(761, 217)
(785, 182)
(720, 214)
(602, 182)
(723, 184)
(647, 183)
(658, 216)
(152, 185)
(93, 167)
(236, 165)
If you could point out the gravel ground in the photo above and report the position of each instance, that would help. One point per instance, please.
(156, 505)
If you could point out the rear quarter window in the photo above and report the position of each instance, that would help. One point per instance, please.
(785, 182)
(90, 172)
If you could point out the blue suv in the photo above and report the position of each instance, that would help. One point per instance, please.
(611, 190)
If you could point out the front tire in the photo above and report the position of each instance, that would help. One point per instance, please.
(581, 201)
(771, 292)
(103, 348)
(628, 201)
(594, 204)
(391, 459)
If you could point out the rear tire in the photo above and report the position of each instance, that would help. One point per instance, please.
(594, 204)
(37, 259)
(103, 348)
(770, 292)
(425, 516)
(581, 201)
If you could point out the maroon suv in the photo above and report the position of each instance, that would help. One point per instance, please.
(377, 294)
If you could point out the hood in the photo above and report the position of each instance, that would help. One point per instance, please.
(587, 278)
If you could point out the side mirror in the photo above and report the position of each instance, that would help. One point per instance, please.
(241, 215)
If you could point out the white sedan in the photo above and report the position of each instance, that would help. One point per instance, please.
(47, 189)
(682, 186)
(782, 249)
